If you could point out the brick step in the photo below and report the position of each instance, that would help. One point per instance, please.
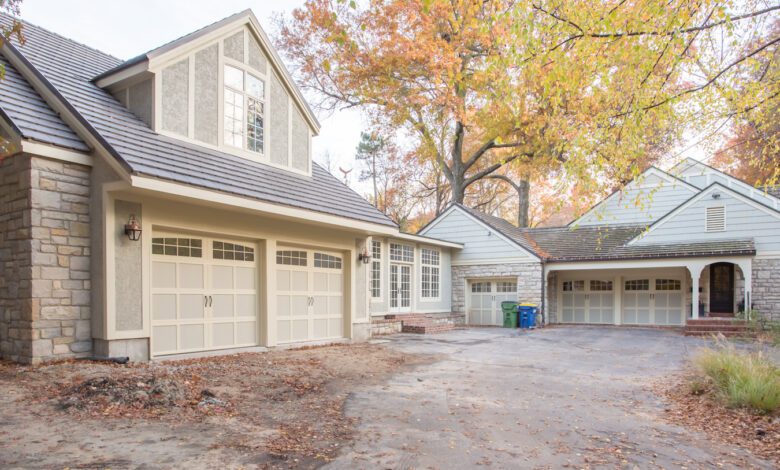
(728, 334)
(427, 329)
(715, 321)
(716, 328)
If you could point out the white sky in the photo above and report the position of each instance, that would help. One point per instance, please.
(126, 29)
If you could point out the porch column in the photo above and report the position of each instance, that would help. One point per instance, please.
(695, 270)
(747, 271)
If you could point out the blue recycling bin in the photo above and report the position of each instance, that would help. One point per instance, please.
(527, 315)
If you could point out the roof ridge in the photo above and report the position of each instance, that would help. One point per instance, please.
(26, 23)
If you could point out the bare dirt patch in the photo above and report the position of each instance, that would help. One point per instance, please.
(276, 409)
(703, 412)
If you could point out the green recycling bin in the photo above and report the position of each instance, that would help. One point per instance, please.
(510, 314)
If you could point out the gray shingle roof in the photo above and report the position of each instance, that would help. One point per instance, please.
(70, 67)
(604, 242)
(772, 190)
(30, 114)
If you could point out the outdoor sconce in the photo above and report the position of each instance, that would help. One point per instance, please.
(133, 229)
(364, 256)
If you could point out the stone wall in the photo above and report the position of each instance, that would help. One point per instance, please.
(551, 305)
(529, 281)
(766, 287)
(45, 291)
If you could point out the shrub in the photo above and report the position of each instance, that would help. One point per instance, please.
(741, 379)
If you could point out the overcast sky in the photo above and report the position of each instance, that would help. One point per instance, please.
(126, 29)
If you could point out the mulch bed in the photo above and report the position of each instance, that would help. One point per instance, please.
(760, 434)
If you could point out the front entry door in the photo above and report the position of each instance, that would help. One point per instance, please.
(400, 288)
(722, 288)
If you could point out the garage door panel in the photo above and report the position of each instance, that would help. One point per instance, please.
(335, 306)
(299, 281)
(246, 332)
(299, 305)
(163, 306)
(163, 275)
(190, 276)
(283, 329)
(320, 328)
(300, 330)
(163, 338)
(245, 305)
(222, 278)
(335, 283)
(192, 336)
(222, 334)
(321, 282)
(336, 327)
(245, 278)
(222, 305)
(192, 306)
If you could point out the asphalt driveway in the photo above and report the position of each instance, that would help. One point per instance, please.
(566, 396)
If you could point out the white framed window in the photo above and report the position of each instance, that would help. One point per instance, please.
(322, 260)
(603, 286)
(376, 269)
(399, 252)
(506, 286)
(481, 287)
(292, 257)
(430, 273)
(637, 284)
(244, 110)
(572, 286)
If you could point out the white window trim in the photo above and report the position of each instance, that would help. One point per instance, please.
(380, 260)
(390, 253)
(423, 298)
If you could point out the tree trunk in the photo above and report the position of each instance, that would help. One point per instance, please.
(523, 189)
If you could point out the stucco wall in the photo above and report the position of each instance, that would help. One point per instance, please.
(766, 287)
(129, 274)
(141, 100)
(234, 46)
(529, 281)
(206, 84)
(175, 97)
(280, 123)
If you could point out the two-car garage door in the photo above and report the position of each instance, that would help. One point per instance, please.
(643, 301)
(204, 294)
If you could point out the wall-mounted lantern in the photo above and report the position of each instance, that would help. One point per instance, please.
(364, 256)
(133, 229)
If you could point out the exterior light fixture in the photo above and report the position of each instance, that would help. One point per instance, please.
(133, 229)
(364, 256)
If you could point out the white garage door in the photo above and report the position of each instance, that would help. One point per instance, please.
(309, 295)
(587, 301)
(485, 299)
(653, 301)
(204, 294)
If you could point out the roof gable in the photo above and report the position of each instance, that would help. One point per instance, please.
(166, 54)
(745, 218)
(637, 193)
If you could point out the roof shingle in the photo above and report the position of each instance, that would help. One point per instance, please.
(70, 67)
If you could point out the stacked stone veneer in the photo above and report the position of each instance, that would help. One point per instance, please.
(766, 287)
(44, 259)
(529, 281)
(550, 287)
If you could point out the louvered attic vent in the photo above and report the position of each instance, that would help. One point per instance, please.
(715, 219)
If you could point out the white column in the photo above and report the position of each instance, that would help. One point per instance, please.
(695, 270)
(747, 270)
(268, 305)
(617, 289)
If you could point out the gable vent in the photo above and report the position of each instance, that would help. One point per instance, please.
(715, 219)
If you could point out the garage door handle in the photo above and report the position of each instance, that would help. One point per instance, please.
(211, 301)
(205, 300)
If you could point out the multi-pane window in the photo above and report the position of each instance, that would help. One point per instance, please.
(321, 260)
(430, 273)
(506, 286)
(478, 287)
(244, 109)
(638, 284)
(400, 252)
(667, 284)
(291, 257)
(234, 251)
(376, 269)
(570, 286)
(601, 285)
(192, 247)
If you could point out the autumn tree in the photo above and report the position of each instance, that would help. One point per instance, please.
(480, 85)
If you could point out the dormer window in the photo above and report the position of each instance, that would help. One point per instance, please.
(244, 110)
